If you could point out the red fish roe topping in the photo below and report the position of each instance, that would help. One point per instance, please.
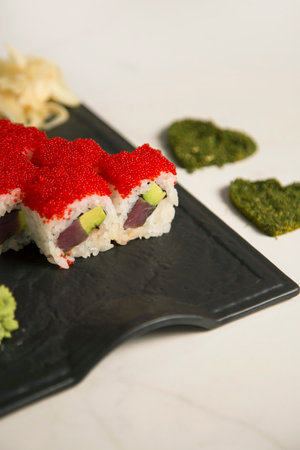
(15, 171)
(5, 126)
(54, 188)
(18, 138)
(58, 151)
(125, 170)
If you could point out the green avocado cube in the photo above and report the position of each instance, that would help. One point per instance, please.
(154, 195)
(22, 221)
(92, 219)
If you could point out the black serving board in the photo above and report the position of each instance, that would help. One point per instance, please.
(202, 273)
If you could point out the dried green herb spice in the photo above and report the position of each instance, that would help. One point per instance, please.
(196, 144)
(7, 313)
(273, 208)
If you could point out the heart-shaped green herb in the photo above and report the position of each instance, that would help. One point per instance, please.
(273, 208)
(196, 143)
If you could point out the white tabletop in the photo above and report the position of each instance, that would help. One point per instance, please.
(141, 65)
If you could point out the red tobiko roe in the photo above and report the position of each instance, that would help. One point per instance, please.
(18, 138)
(15, 171)
(127, 170)
(58, 151)
(5, 126)
(53, 189)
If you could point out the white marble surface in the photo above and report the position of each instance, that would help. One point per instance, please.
(141, 65)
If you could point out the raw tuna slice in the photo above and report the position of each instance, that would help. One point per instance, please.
(9, 225)
(139, 214)
(71, 236)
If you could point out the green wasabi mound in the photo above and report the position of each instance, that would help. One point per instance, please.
(7, 313)
(271, 207)
(196, 144)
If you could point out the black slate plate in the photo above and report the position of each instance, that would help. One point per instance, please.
(202, 273)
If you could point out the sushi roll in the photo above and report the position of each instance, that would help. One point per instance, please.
(143, 192)
(15, 171)
(58, 151)
(69, 213)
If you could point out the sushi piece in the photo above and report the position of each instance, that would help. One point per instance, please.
(143, 192)
(15, 171)
(69, 213)
(58, 151)
(16, 146)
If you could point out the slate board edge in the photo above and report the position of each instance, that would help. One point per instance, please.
(79, 372)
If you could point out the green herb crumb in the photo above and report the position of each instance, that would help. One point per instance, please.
(273, 208)
(197, 143)
(7, 313)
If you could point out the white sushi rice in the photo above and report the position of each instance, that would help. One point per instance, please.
(159, 222)
(46, 232)
(9, 202)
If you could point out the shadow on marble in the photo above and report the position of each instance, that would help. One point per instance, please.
(166, 332)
